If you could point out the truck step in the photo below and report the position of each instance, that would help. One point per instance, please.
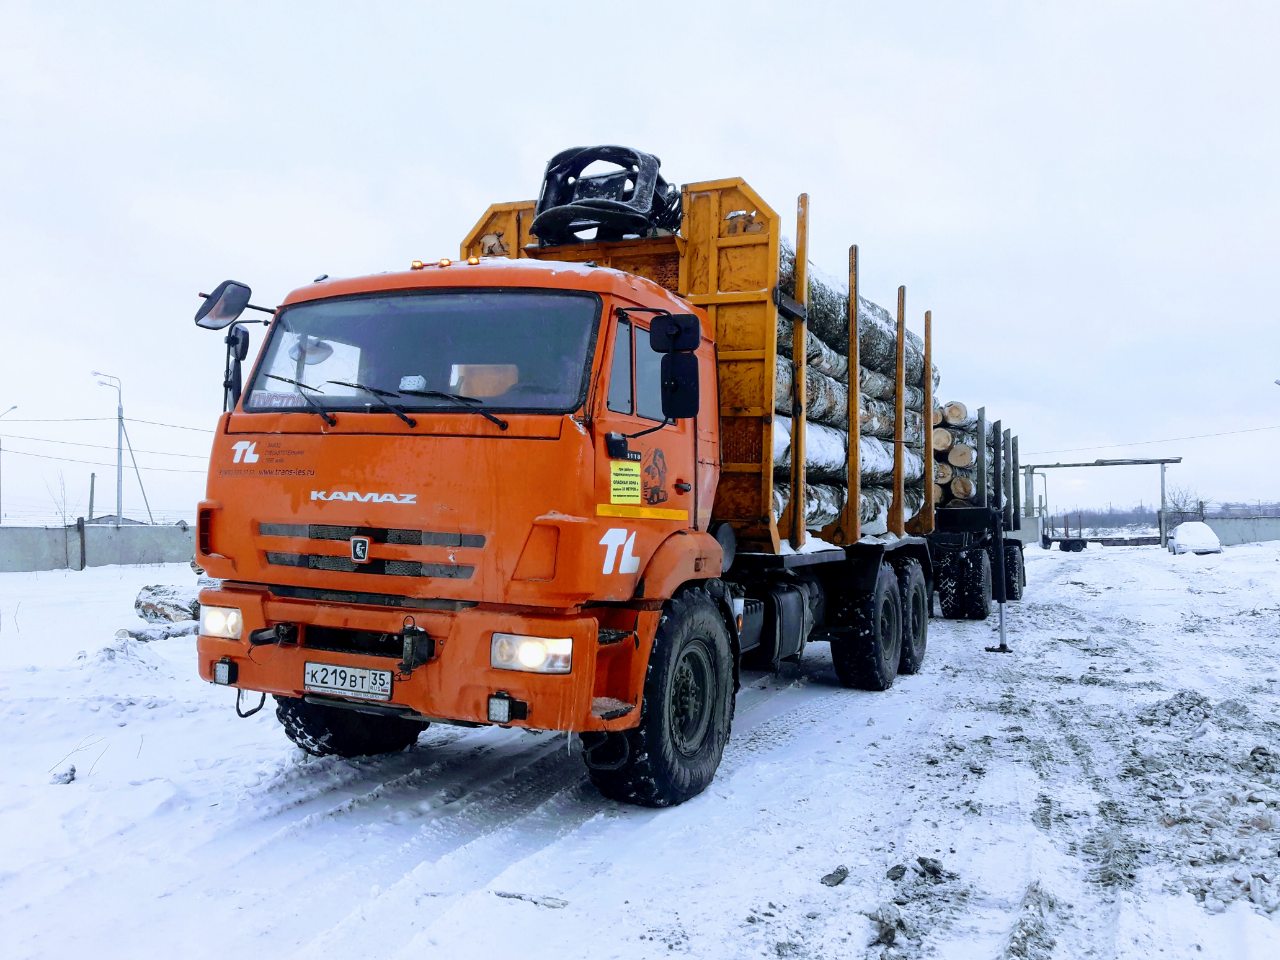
(607, 708)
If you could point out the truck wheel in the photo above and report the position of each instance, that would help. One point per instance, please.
(867, 657)
(915, 616)
(1014, 574)
(325, 731)
(977, 586)
(684, 718)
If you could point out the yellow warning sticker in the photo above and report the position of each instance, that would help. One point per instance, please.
(624, 481)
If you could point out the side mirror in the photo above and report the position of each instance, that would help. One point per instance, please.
(680, 393)
(674, 333)
(238, 343)
(224, 306)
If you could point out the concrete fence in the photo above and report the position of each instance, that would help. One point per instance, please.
(1234, 530)
(92, 545)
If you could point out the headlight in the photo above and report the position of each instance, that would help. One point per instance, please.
(511, 651)
(225, 622)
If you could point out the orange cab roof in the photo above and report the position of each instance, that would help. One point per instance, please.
(493, 272)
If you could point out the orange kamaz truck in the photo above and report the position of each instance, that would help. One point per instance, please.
(533, 486)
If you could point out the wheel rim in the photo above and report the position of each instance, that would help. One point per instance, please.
(888, 628)
(917, 616)
(689, 706)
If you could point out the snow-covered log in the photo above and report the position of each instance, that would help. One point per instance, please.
(823, 503)
(828, 317)
(954, 413)
(826, 457)
(827, 402)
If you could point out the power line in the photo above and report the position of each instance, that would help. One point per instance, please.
(92, 463)
(153, 423)
(172, 426)
(101, 446)
(1140, 443)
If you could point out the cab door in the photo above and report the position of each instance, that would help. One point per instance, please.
(645, 469)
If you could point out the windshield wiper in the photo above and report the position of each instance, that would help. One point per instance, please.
(320, 411)
(458, 398)
(379, 395)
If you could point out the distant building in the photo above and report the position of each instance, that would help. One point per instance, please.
(115, 521)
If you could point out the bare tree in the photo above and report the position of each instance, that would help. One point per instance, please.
(1182, 504)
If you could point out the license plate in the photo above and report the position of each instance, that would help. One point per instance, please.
(356, 682)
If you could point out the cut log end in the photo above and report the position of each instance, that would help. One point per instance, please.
(942, 440)
(955, 412)
(961, 455)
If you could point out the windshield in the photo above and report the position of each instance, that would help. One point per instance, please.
(508, 349)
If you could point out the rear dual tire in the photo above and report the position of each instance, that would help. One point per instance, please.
(965, 588)
(868, 653)
(914, 592)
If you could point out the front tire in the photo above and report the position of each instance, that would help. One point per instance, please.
(325, 731)
(868, 654)
(685, 715)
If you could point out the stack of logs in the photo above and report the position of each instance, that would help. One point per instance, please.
(955, 452)
(827, 407)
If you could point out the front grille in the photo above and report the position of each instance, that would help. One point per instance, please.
(392, 535)
(386, 568)
(353, 641)
(369, 599)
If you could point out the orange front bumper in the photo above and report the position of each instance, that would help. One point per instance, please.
(457, 682)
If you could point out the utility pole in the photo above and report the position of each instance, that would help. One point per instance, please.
(5, 414)
(1164, 522)
(119, 441)
(92, 478)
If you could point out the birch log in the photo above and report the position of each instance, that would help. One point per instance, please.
(875, 385)
(826, 450)
(828, 403)
(961, 455)
(823, 503)
(828, 318)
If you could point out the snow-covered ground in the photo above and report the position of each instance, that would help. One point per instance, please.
(1109, 790)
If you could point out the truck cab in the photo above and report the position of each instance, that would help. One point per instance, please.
(432, 449)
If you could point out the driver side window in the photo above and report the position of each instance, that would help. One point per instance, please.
(635, 387)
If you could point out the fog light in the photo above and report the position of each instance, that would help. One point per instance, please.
(503, 708)
(225, 672)
(513, 651)
(499, 710)
(225, 622)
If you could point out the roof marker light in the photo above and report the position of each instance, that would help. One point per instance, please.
(444, 262)
(474, 261)
(417, 265)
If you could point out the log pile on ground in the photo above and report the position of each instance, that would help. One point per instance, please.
(827, 406)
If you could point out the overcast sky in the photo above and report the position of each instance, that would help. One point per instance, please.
(1085, 194)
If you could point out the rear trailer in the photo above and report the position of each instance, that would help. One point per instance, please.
(977, 548)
